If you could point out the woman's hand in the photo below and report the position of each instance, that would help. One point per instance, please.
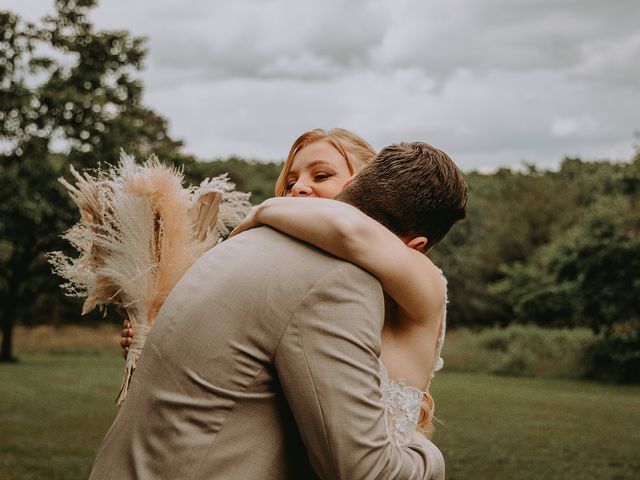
(126, 337)
(250, 221)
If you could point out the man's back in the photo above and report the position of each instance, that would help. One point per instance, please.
(205, 401)
(265, 345)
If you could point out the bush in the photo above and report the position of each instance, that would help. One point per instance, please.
(68, 339)
(517, 363)
(615, 356)
(519, 350)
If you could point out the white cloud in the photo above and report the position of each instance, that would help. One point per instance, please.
(570, 126)
(443, 37)
(611, 63)
(494, 83)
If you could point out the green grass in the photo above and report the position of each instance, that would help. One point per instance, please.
(55, 409)
(536, 428)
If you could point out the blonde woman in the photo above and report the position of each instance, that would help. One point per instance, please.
(320, 163)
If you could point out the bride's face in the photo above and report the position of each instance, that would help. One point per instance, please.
(318, 170)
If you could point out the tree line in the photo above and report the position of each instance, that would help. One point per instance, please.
(555, 249)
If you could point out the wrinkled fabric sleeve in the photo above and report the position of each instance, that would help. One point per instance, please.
(327, 363)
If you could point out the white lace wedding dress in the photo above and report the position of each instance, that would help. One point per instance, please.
(403, 402)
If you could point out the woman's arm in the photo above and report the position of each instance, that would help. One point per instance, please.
(406, 275)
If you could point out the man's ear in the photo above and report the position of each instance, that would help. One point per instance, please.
(418, 243)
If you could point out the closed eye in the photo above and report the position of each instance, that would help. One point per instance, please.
(290, 185)
(318, 177)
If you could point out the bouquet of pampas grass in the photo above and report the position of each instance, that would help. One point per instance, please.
(139, 232)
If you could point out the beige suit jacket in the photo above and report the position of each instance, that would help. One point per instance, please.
(262, 364)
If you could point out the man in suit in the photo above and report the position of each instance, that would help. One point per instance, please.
(263, 361)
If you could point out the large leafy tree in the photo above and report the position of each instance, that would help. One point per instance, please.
(69, 94)
(503, 261)
(510, 215)
(585, 274)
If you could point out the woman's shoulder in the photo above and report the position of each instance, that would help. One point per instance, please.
(433, 279)
(434, 269)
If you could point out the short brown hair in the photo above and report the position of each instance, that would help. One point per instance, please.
(355, 151)
(413, 189)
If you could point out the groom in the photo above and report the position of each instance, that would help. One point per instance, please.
(263, 361)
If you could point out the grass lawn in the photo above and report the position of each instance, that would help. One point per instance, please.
(55, 409)
(534, 428)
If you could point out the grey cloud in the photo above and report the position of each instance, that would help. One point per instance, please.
(492, 82)
(611, 63)
(271, 39)
(307, 40)
(501, 35)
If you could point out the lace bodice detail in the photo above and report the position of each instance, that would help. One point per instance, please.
(402, 402)
(402, 406)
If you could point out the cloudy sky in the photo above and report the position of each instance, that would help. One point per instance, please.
(492, 82)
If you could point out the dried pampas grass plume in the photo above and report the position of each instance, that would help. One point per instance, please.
(139, 231)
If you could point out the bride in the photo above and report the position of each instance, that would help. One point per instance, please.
(320, 163)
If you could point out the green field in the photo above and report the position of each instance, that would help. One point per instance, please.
(55, 408)
(535, 428)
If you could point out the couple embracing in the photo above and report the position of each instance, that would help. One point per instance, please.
(303, 346)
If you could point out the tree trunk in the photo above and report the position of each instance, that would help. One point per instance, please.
(8, 319)
(12, 303)
(8, 322)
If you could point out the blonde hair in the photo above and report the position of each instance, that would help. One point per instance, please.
(427, 415)
(355, 151)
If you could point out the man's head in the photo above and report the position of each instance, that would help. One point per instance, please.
(413, 189)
